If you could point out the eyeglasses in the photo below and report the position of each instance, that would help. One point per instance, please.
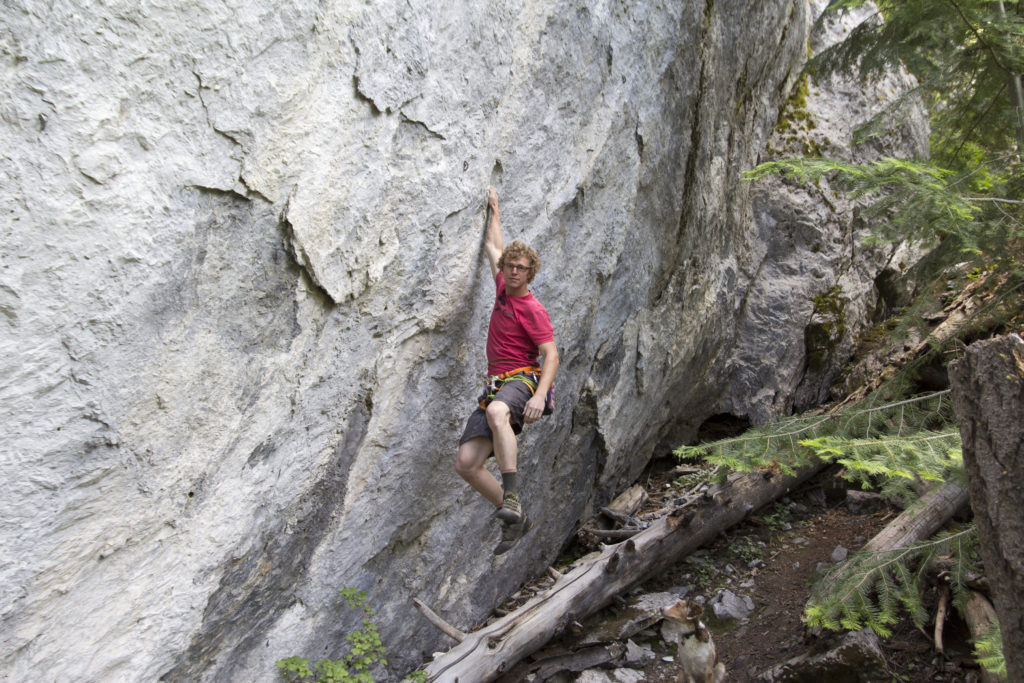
(515, 267)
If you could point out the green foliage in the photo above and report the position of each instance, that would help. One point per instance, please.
(780, 518)
(796, 124)
(886, 441)
(962, 54)
(892, 445)
(747, 548)
(988, 649)
(702, 570)
(967, 56)
(895, 463)
(912, 200)
(871, 589)
(366, 651)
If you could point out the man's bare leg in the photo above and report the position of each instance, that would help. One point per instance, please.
(506, 452)
(469, 464)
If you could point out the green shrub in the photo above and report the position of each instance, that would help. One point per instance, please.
(365, 652)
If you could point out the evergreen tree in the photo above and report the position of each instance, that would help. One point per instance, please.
(968, 197)
(967, 56)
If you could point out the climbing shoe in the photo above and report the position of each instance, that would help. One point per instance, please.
(510, 533)
(510, 511)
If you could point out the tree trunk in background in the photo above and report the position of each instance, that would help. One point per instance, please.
(988, 394)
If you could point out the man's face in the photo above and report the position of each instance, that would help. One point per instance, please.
(517, 272)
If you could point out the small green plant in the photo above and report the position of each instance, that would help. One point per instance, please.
(780, 518)
(692, 480)
(703, 570)
(747, 548)
(365, 652)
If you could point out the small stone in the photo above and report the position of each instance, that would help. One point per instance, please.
(636, 654)
(839, 554)
(728, 605)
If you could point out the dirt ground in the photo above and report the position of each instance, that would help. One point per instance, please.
(787, 544)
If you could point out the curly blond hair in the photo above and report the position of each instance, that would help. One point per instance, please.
(517, 249)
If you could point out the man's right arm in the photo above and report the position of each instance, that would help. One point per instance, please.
(493, 242)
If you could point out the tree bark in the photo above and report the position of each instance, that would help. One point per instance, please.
(920, 521)
(485, 654)
(988, 395)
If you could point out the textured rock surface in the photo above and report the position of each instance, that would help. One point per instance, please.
(813, 279)
(244, 301)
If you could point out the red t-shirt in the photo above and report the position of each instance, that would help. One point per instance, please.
(519, 324)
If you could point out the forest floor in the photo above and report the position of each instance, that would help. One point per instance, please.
(773, 557)
(789, 544)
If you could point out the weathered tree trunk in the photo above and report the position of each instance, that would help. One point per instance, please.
(484, 654)
(920, 521)
(988, 394)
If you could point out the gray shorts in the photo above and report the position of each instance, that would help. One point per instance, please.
(514, 394)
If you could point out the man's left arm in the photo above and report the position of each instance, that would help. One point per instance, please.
(535, 406)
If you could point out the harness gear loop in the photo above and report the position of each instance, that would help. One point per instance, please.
(529, 375)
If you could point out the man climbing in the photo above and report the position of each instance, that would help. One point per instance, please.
(517, 389)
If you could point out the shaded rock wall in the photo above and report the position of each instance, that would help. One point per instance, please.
(244, 302)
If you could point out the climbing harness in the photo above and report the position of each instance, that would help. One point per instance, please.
(528, 375)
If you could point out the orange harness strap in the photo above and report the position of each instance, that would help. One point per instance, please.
(528, 376)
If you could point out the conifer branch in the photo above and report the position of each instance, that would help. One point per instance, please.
(871, 589)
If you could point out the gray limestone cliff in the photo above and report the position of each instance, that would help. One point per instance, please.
(244, 300)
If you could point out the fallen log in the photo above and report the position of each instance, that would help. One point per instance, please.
(569, 662)
(977, 295)
(627, 503)
(920, 521)
(485, 654)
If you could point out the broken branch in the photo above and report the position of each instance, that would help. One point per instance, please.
(437, 621)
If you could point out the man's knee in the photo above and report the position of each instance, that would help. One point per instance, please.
(471, 457)
(498, 414)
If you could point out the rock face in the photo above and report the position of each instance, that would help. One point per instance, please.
(244, 301)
